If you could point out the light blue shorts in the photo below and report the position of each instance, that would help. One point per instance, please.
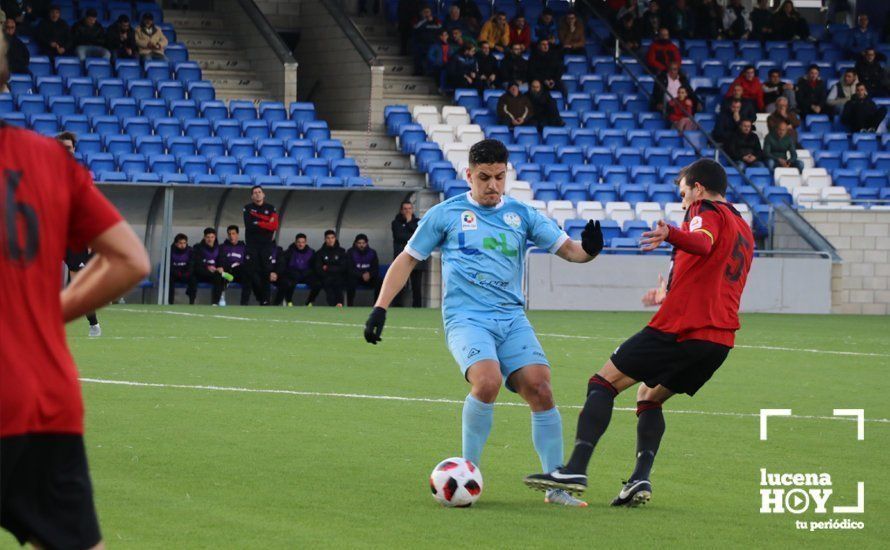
(509, 341)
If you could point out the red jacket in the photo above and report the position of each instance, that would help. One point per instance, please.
(661, 54)
(523, 36)
(752, 89)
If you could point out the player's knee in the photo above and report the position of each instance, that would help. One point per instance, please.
(486, 388)
(540, 393)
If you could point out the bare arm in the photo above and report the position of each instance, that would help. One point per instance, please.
(396, 278)
(120, 262)
(571, 251)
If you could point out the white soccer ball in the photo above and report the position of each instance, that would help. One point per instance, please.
(456, 482)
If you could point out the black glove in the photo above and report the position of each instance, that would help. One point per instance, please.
(374, 325)
(592, 238)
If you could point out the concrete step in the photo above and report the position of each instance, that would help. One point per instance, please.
(194, 22)
(409, 85)
(411, 101)
(364, 141)
(385, 47)
(396, 64)
(387, 177)
(369, 160)
(222, 63)
(227, 95)
(207, 41)
(375, 27)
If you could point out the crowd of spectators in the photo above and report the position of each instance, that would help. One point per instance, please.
(86, 38)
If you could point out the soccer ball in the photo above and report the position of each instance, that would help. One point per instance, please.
(456, 482)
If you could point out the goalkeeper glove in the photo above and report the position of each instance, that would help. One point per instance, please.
(592, 238)
(374, 325)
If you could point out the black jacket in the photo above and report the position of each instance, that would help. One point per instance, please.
(739, 145)
(113, 39)
(862, 114)
(84, 35)
(260, 223)
(545, 66)
(545, 109)
(17, 56)
(58, 32)
(513, 68)
(808, 95)
(331, 261)
(488, 64)
(401, 232)
(870, 74)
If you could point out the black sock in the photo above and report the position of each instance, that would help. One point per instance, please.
(592, 422)
(650, 429)
(91, 317)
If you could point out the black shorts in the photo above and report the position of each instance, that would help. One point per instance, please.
(77, 260)
(654, 357)
(45, 492)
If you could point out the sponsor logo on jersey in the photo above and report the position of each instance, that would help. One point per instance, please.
(695, 223)
(468, 221)
(512, 219)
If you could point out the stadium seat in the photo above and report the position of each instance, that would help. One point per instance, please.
(239, 147)
(619, 212)
(181, 146)
(255, 129)
(211, 147)
(254, 166)
(224, 166)
(197, 128)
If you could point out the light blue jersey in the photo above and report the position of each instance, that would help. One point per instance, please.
(483, 252)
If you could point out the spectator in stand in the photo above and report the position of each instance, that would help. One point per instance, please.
(546, 112)
(521, 33)
(736, 21)
(275, 253)
(546, 65)
(471, 15)
(811, 94)
(651, 21)
(761, 21)
(666, 86)
(708, 20)
(728, 120)
(571, 35)
(297, 266)
(743, 146)
(843, 90)
(780, 149)
(17, 56)
(232, 261)
(121, 41)
(749, 109)
(662, 52)
(363, 7)
(681, 111)
(364, 268)
(181, 267)
(438, 55)
(752, 87)
(425, 32)
(260, 224)
(514, 67)
(407, 12)
(861, 114)
(458, 39)
(774, 88)
(629, 33)
(330, 268)
(207, 268)
(515, 109)
(788, 24)
(89, 37)
(870, 72)
(21, 11)
(496, 31)
(53, 34)
(454, 21)
(546, 28)
(403, 227)
(488, 66)
(861, 37)
(630, 7)
(463, 71)
(150, 39)
(681, 20)
(783, 113)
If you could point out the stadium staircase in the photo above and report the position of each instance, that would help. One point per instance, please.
(212, 45)
(379, 159)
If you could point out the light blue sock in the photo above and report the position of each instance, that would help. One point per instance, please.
(547, 437)
(477, 418)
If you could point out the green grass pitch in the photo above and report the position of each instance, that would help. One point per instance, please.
(178, 466)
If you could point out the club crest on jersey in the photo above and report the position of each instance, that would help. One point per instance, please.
(695, 223)
(512, 219)
(468, 221)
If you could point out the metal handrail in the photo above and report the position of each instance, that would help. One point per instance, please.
(362, 46)
(273, 39)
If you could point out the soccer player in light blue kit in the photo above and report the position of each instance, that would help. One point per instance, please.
(483, 236)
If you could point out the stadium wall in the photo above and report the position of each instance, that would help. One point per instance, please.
(283, 15)
(861, 283)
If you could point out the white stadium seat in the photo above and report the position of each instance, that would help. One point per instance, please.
(836, 196)
(425, 115)
(457, 153)
(806, 196)
(760, 126)
(520, 190)
(649, 212)
(455, 115)
(806, 158)
(561, 211)
(674, 213)
(620, 212)
(591, 210)
(540, 206)
(441, 134)
(469, 134)
(816, 178)
(745, 212)
(787, 177)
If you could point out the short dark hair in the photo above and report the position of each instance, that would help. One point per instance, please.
(488, 151)
(814, 66)
(330, 232)
(91, 13)
(708, 173)
(360, 237)
(774, 71)
(180, 237)
(209, 231)
(65, 136)
(256, 187)
(749, 67)
(147, 16)
(300, 236)
(231, 227)
(55, 7)
(123, 18)
(848, 71)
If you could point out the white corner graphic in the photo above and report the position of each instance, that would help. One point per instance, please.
(859, 414)
(860, 502)
(766, 413)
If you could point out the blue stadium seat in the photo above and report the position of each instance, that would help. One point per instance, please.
(213, 110)
(201, 91)
(240, 147)
(181, 146)
(607, 103)
(856, 160)
(396, 115)
(76, 124)
(545, 191)
(237, 179)
(466, 98)
(580, 102)
(761, 177)
(657, 156)
(170, 90)
(498, 132)
(153, 108)
(453, 188)
(584, 137)
(68, 66)
(81, 86)
(663, 193)
(30, 104)
(612, 138)
(880, 160)
(110, 176)
(865, 142)
(640, 138)
(427, 152)
(226, 129)
(875, 179)
(141, 88)
(40, 65)
(255, 129)
(157, 70)
(144, 177)
(542, 154)
(105, 124)
(830, 160)
(529, 172)
(668, 138)
(285, 129)
(300, 149)
(211, 147)
(683, 157)
(132, 163)
(556, 137)
(344, 168)
(635, 103)
(45, 123)
(128, 69)
(299, 181)
(527, 136)
(315, 167)
(20, 84)
(359, 181)
(187, 72)
(184, 109)
(163, 164)
(574, 192)
(835, 141)
(599, 156)
(845, 178)
(272, 111)
(101, 162)
(575, 64)
(242, 110)
(193, 165)
(622, 121)
(316, 130)
(197, 128)
(570, 119)
(651, 121)
(592, 84)
(585, 173)
(50, 86)
(329, 181)
(570, 83)
(632, 192)
(819, 124)
(268, 180)
(614, 174)
(557, 173)
(490, 99)
(594, 120)
(270, 148)
(864, 194)
(634, 229)
(123, 107)
(285, 167)
(628, 156)
(88, 144)
(439, 173)
(206, 179)
(604, 65)
(330, 149)
(254, 166)
(117, 144)
(777, 194)
(643, 174)
(224, 166)
(15, 119)
(570, 155)
(625, 245)
(137, 126)
(167, 127)
(7, 104)
(301, 112)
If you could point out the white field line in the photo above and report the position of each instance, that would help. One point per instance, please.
(436, 330)
(424, 399)
(100, 338)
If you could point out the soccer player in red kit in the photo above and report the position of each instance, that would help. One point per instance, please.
(685, 342)
(48, 203)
